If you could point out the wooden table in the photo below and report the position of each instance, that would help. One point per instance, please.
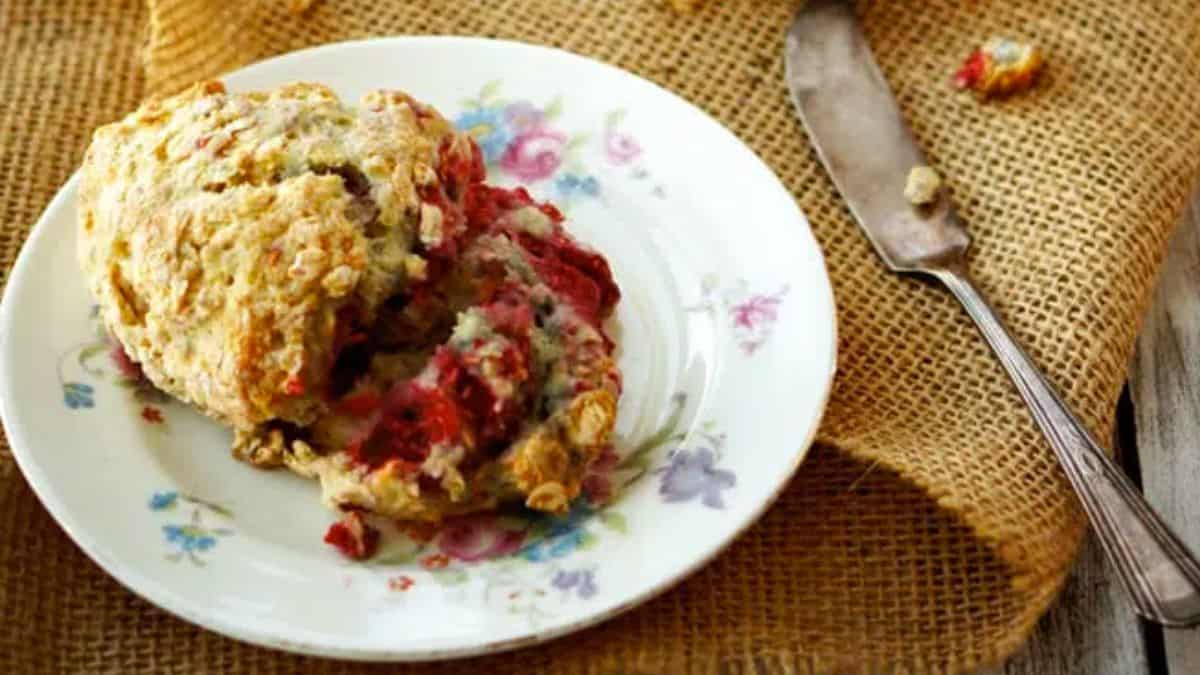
(1093, 630)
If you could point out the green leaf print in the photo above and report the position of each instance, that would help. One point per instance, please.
(489, 91)
(577, 141)
(640, 457)
(587, 540)
(614, 521)
(553, 109)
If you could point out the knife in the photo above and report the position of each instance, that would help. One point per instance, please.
(862, 140)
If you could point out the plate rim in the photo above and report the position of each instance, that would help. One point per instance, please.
(160, 596)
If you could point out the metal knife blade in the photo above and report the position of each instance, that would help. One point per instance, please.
(860, 136)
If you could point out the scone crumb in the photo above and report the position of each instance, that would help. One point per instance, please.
(686, 5)
(590, 418)
(263, 449)
(549, 497)
(922, 186)
(999, 68)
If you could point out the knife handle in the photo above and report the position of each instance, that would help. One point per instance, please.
(1157, 569)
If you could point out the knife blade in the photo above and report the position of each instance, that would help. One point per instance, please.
(861, 138)
(863, 141)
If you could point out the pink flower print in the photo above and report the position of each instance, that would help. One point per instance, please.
(620, 147)
(474, 538)
(535, 154)
(755, 311)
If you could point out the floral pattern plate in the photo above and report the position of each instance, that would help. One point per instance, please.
(727, 342)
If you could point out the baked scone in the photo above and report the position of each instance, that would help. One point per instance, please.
(221, 235)
(340, 286)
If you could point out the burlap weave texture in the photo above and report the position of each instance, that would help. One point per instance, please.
(943, 556)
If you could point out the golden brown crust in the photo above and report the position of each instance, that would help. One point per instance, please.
(221, 233)
(548, 465)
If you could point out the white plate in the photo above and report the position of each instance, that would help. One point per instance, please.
(727, 336)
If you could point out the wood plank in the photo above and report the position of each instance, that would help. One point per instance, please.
(1166, 395)
(1092, 629)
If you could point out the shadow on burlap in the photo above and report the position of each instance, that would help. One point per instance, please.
(939, 530)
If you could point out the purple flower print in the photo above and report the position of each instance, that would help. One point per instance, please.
(523, 116)
(583, 582)
(693, 473)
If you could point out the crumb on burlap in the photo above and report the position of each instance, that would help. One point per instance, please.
(999, 68)
(922, 186)
(686, 5)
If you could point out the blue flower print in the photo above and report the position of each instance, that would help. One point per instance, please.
(583, 582)
(161, 501)
(565, 535)
(569, 185)
(489, 128)
(189, 538)
(558, 542)
(78, 395)
(694, 474)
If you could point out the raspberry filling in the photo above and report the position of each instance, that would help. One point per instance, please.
(353, 537)
(581, 277)
(477, 389)
(411, 420)
(461, 408)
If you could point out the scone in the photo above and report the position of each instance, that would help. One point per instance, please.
(223, 234)
(340, 286)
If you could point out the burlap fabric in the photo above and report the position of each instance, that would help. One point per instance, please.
(932, 528)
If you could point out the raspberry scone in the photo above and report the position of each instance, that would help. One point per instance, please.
(340, 286)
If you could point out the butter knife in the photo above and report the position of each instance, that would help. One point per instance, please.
(861, 138)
